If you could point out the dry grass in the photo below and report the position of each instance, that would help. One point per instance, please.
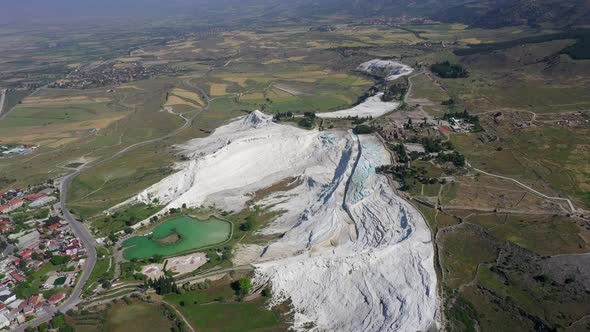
(131, 87)
(130, 59)
(218, 89)
(182, 45)
(256, 95)
(55, 134)
(175, 100)
(38, 101)
(188, 95)
(184, 97)
(471, 40)
(289, 59)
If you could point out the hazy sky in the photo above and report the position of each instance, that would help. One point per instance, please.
(36, 9)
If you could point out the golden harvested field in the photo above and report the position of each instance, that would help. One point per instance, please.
(38, 101)
(188, 95)
(471, 40)
(184, 97)
(133, 87)
(54, 135)
(256, 95)
(130, 59)
(218, 89)
(289, 59)
(175, 100)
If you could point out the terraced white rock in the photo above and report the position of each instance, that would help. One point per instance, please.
(388, 69)
(353, 256)
(371, 107)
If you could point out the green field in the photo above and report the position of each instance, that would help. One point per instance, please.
(138, 317)
(190, 234)
(104, 268)
(212, 316)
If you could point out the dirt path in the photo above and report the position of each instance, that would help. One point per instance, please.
(410, 84)
(186, 322)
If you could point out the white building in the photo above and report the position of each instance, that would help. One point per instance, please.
(4, 322)
(42, 201)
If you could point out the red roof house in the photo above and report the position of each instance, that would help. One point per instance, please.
(33, 197)
(56, 298)
(55, 226)
(26, 253)
(18, 202)
(17, 277)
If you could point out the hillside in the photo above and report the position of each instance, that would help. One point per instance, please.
(492, 14)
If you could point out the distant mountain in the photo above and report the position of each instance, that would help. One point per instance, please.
(496, 14)
(476, 13)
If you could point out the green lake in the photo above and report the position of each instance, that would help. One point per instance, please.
(176, 236)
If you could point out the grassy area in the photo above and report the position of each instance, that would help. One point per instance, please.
(138, 316)
(536, 156)
(215, 310)
(104, 269)
(544, 235)
(124, 218)
(110, 183)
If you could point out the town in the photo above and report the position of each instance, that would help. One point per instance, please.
(40, 256)
(111, 73)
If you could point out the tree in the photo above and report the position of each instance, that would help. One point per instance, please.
(106, 284)
(113, 237)
(157, 258)
(128, 230)
(58, 322)
(164, 285)
(60, 260)
(248, 224)
(242, 286)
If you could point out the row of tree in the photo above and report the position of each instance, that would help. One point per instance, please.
(163, 285)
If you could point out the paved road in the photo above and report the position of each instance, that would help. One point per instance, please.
(2, 98)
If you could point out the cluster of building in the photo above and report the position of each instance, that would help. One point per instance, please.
(29, 245)
(18, 311)
(111, 73)
(403, 125)
(403, 19)
(12, 200)
(19, 150)
(461, 125)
